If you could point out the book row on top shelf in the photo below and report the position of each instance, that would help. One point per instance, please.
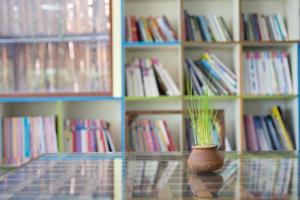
(211, 21)
(59, 18)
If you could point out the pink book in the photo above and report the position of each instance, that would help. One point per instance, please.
(250, 133)
(171, 146)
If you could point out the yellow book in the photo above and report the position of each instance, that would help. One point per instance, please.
(277, 116)
(149, 37)
(161, 136)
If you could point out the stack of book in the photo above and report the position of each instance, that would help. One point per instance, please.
(264, 27)
(25, 138)
(53, 18)
(267, 73)
(88, 135)
(148, 78)
(150, 136)
(210, 74)
(191, 138)
(268, 132)
(55, 67)
(149, 29)
(206, 28)
(270, 178)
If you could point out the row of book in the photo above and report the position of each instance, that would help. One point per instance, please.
(267, 73)
(88, 135)
(150, 136)
(217, 137)
(261, 27)
(206, 28)
(53, 18)
(24, 138)
(148, 77)
(149, 29)
(210, 74)
(55, 67)
(268, 132)
(270, 178)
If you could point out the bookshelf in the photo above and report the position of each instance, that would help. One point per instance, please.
(70, 104)
(230, 52)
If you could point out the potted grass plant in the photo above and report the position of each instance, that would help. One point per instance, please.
(205, 156)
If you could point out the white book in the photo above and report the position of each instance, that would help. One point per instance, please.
(272, 74)
(165, 28)
(260, 74)
(130, 81)
(151, 87)
(282, 26)
(83, 137)
(275, 28)
(287, 72)
(213, 28)
(247, 79)
(172, 89)
(279, 73)
(265, 28)
(222, 70)
(223, 66)
(219, 29)
(262, 27)
(42, 136)
(253, 74)
(138, 82)
(230, 84)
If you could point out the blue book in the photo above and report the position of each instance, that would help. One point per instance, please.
(27, 147)
(215, 136)
(273, 133)
(196, 82)
(201, 27)
(206, 29)
(277, 25)
(206, 65)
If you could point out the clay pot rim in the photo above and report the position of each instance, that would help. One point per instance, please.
(198, 147)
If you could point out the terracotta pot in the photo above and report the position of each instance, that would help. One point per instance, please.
(205, 159)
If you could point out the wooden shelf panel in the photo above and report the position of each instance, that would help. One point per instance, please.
(268, 97)
(151, 44)
(74, 38)
(50, 97)
(160, 98)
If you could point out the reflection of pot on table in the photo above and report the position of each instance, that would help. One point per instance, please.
(205, 185)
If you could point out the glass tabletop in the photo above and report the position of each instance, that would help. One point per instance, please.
(153, 176)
